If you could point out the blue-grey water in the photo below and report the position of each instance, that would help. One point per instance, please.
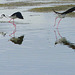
(38, 54)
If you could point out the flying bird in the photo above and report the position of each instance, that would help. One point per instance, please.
(63, 14)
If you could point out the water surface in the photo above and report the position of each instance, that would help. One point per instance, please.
(38, 54)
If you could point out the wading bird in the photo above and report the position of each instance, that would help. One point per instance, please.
(63, 14)
(13, 16)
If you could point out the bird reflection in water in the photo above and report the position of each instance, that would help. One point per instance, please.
(63, 41)
(17, 40)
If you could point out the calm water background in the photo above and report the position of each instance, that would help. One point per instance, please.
(38, 54)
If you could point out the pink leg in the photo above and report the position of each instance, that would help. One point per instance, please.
(55, 21)
(14, 29)
(13, 22)
(59, 33)
(55, 34)
(13, 32)
(58, 23)
(10, 20)
(14, 25)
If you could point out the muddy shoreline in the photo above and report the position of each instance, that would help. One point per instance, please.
(59, 7)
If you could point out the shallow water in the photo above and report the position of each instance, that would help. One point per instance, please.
(38, 54)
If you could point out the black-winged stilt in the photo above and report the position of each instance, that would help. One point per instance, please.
(63, 14)
(14, 16)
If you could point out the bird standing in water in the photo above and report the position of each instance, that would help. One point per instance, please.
(63, 14)
(14, 16)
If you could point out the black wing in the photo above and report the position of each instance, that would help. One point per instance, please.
(69, 10)
(18, 15)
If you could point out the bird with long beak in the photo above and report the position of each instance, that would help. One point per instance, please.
(13, 16)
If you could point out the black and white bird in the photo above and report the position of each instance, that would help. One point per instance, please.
(13, 16)
(63, 14)
(16, 15)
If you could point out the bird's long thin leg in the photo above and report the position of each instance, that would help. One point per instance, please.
(13, 33)
(55, 34)
(55, 21)
(59, 33)
(14, 29)
(10, 20)
(58, 23)
(55, 37)
(13, 22)
(14, 26)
